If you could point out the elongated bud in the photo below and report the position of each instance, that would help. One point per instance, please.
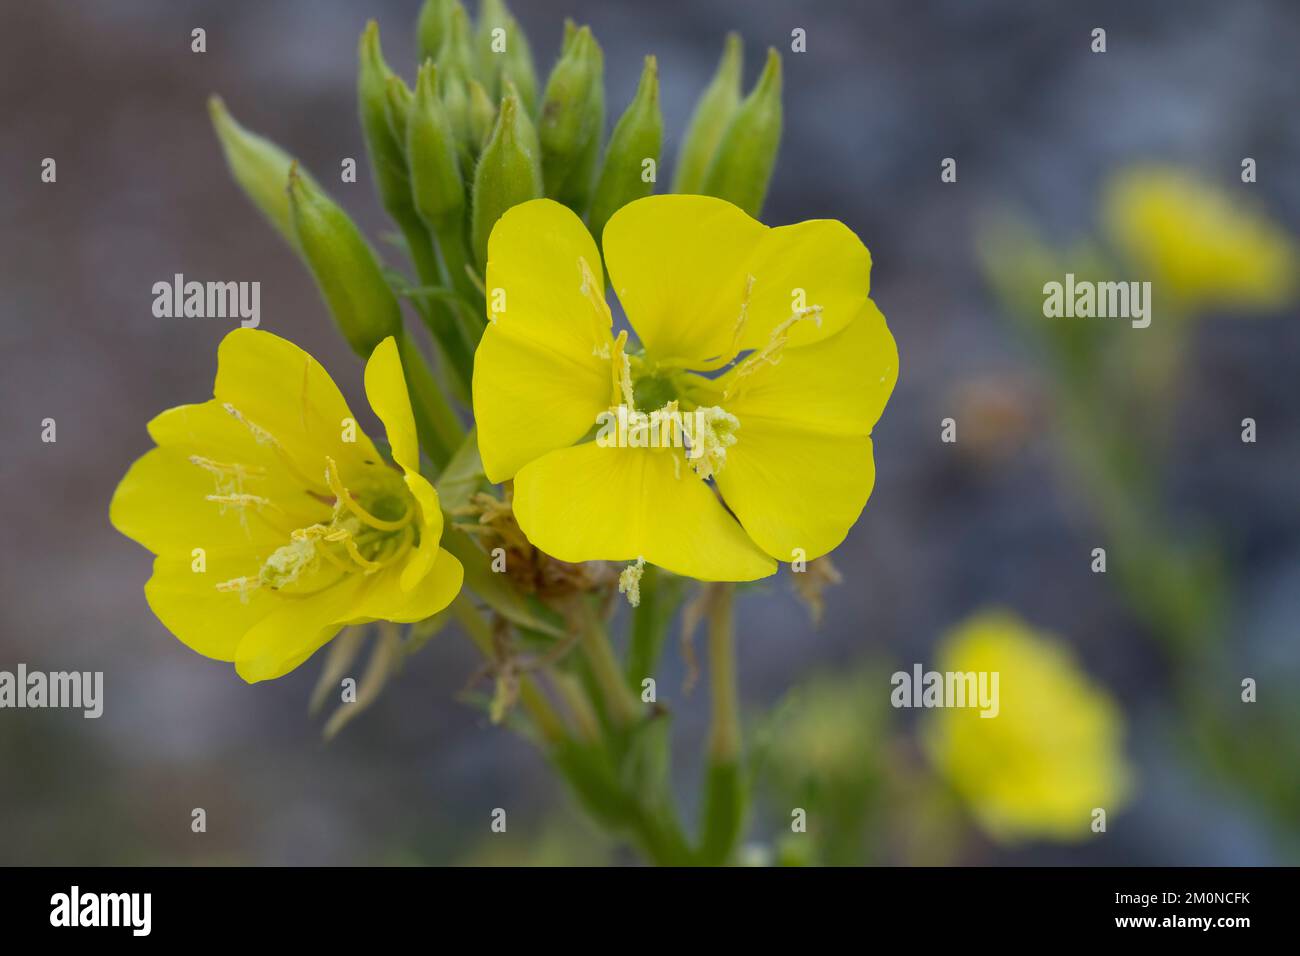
(456, 55)
(436, 183)
(713, 113)
(508, 173)
(632, 158)
(482, 116)
(387, 156)
(344, 266)
(431, 27)
(742, 168)
(259, 166)
(518, 68)
(399, 108)
(572, 120)
(491, 40)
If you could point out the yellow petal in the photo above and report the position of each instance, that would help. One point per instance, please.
(296, 629)
(838, 385)
(678, 265)
(796, 489)
(816, 263)
(280, 389)
(163, 504)
(539, 376)
(801, 470)
(590, 503)
(386, 392)
(207, 620)
(385, 597)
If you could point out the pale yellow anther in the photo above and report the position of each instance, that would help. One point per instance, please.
(714, 432)
(629, 581)
(243, 586)
(601, 317)
(621, 372)
(241, 500)
(770, 354)
(264, 437)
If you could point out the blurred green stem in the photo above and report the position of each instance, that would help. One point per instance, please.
(619, 703)
(724, 784)
(534, 702)
(439, 430)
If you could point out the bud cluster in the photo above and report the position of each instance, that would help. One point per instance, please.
(476, 134)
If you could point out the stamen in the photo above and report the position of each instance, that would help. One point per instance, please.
(621, 372)
(770, 354)
(345, 497)
(713, 435)
(737, 331)
(629, 581)
(601, 317)
(241, 501)
(354, 553)
(264, 437)
(243, 586)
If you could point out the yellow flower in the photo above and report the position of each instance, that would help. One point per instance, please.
(762, 340)
(275, 521)
(1198, 245)
(1053, 752)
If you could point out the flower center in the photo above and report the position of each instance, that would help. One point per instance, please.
(372, 525)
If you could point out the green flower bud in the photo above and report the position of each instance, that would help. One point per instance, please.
(399, 107)
(489, 49)
(482, 115)
(259, 166)
(742, 167)
(456, 55)
(637, 137)
(508, 173)
(573, 120)
(431, 27)
(518, 67)
(713, 113)
(344, 266)
(387, 157)
(436, 183)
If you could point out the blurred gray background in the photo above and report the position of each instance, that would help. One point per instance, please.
(885, 91)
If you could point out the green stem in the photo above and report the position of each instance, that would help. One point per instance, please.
(439, 429)
(440, 319)
(724, 783)
(724, 734)
(619, 703)
(534, 702)
(455, 257)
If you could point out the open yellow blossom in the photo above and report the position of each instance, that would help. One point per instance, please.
(1052, 754)
(762, 339)
(275, 520)
(1200, 246)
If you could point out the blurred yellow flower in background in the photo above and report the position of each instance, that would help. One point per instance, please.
(1052, 754)
(1199, 245)
(275, 520)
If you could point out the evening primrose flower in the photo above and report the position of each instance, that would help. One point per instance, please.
(1053, 752)
(1200, 246)
(764, 340)
(275, 521)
